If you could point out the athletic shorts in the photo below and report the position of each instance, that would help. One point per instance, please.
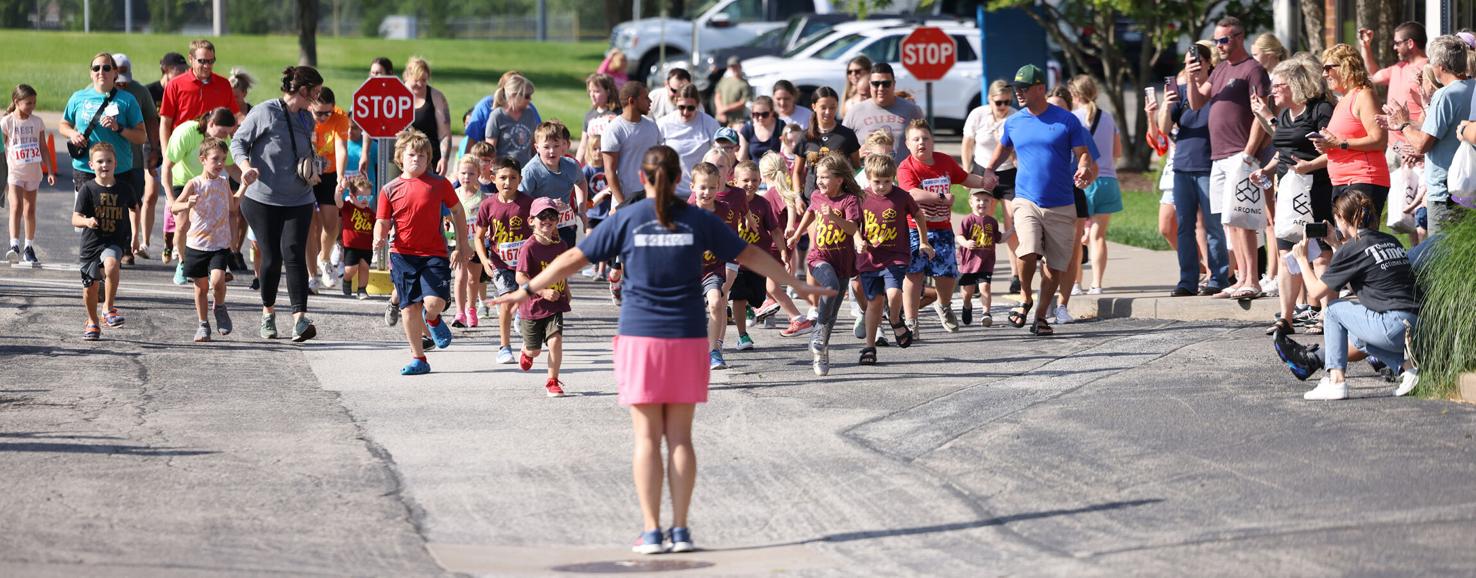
(27, 177)
(416, 278)
(536, 332)
(352, 257)
(1006, 188)
(748, 286)
(326, 189)
(713, 283)
(1045, 232)
(1104, 196)
(198, 264)
(876, 283)
(504, 281)
(943, 264)
(92, 270)
(567, 235)
(965, 279)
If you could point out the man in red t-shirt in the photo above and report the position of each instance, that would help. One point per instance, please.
(190, 95)
(419, 269)
(929, 175)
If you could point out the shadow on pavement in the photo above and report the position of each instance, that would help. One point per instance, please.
(111, 449)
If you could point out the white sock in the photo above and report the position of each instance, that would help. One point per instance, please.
(28, 243)
(15, 242)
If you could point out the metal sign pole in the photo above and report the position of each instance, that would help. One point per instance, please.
(930, 104)
(381, 174)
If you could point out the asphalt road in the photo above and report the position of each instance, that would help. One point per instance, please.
(1131, 447)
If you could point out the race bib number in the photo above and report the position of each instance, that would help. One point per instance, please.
(25, 153)
(508, 252)
(938, 186)
(111, 110)
(567, 218)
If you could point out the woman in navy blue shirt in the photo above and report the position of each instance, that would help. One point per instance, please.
(661, 369)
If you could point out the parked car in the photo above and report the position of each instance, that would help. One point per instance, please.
(710, 62)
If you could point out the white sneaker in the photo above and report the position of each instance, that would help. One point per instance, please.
(856, 311)
(1326, 390)
(328, 280)
(1063, 316)
(1407, 382)
(859, 329)
(1094, 291)
(337, 255)
(313, 283)
(1076, 289)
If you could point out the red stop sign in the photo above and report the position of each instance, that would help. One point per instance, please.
(383, 106)
(928, 53)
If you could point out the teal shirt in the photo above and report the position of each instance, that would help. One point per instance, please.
(84, 104)
(1449, 106)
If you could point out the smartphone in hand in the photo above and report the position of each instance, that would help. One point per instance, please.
(1315, 230)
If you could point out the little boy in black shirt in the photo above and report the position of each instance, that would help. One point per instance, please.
(102, 211)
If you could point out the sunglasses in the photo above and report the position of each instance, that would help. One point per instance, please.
(1329, 67)
(102, 68)
(761, 114)
(322, 113)
(205, 61)
(547, 216)
(1001, 102)
(855, 71)
(1226, 39)
(686, 107)
(881, 83)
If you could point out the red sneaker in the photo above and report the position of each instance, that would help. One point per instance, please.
(524, 361)
(555, 389)
(797, 326)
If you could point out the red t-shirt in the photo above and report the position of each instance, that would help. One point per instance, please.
(186, 97)
(983, 231)
(730, 216)
(532, 258)
(935, 179)
(414, 204)
(507, 228)
(358, 227)
(884, 225)
(829, 243)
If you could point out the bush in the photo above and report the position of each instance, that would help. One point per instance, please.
(1446, 338)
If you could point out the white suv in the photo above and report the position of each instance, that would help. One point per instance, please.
(719, 24)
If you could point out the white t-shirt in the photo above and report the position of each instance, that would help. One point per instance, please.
(985, 130)
(1104, 136)
(690, 140)
(800, 117)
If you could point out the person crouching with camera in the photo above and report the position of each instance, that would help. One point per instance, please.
(1374, 265)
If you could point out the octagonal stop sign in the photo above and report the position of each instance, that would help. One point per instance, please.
(383, 106)
(928, 53)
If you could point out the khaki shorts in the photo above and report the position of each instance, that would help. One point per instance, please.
(1045, 232)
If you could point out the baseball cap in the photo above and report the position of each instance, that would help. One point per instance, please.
(727, 134)
(1029, 75)
(173, 60)
(542, 204)
(1468, 38)
(125, 67)
(734, 60)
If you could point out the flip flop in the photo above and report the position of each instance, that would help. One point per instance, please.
(1042, 329)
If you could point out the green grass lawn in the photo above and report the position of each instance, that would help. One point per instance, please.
(1136, 225)
(55, 63)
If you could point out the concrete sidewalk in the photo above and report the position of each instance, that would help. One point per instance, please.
(1138, 283)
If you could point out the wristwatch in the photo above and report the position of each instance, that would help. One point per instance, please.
(1343, 145)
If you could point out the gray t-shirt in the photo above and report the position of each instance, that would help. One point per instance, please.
(1449, 106)
(514, 137)
(538, 181)
(867, 117)
(262, 141)
(630, 140)
(691, 141)
(150, 111)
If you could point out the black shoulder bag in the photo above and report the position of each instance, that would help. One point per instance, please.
(80, 153)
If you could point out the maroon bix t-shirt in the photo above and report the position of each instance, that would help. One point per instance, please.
(532, 258)
(884, 225)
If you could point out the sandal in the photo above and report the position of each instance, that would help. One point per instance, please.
(1245, 294)
(1281, 325)
(1041, 328)
(904, 337)
(92, 332)
(1314, 328)
(1018, 313)
(868, 356)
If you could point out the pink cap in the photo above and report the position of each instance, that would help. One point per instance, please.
(1468, 38)
(542, 204)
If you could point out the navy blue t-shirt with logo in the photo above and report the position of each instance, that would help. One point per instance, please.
(663, 266)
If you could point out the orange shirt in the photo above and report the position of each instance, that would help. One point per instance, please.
(327, 132)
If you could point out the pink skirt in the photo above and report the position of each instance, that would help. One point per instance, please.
(169, 222)
(652, 370)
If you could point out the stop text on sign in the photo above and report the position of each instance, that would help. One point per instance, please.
(368, 106)
(928, 54)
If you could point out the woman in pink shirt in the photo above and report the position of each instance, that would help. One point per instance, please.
(1353, 141)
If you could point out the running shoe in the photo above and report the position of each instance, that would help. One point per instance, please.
(968, 313)
(113, 318)
(348, 290)
(13, 255)
(28, 256)
(441, 333)
(1407, 383)
(649, 543)
(460, 320)
(1326, 390)
(1094, 291)
(416, 367)
(471, 317)
(1076, 289)
(363, 295)
(588, 272)
(303, 330)
(268, 325)
(986, 320)
(391, 313)
(202, 333)
(524, 362)
(554, 387)
(328, 280)
(142, 253)
(255, 284)
(681, 540)
(797, 326)
(946, 316)
(313, 284)
(179, 276)
(1014, 285)
(91, 332)
(821, 359)
(914, 327)
(504, 356)
(483, 310)
(1302, 361)
(859, 328)
(1063, 315)
(222, 320)
(745, 342)
(715, 360)
(767, 310)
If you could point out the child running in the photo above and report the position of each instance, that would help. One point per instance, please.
(102, 213)
(24, 138)
(419, 269)
(978, 234)
(551, 175)
(469, 275)
(208, 200)
(835, 212)
(706, 182)
(884, 252)
(355, 211)
(759, 228)
(785, 203)
(542, 315)
(502, 227)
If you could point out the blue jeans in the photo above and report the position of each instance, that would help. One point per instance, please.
(1191, 199)
(1378, 334)
(823, 274)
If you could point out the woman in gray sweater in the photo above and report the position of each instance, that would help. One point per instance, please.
(279, 202)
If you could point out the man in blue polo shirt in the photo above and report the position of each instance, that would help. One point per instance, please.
(1054, 154)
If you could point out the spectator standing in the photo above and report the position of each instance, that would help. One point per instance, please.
(146, 156)
(786, 105)
(1436, 136)
(1104, 195)
(1268, 50)
(858, 83)
(615, 65)
(664, 99)
(624, 143)
(884, 111)
(1403, 77)
(731, 96)
(762, 134)
(1235, 139)
(689, 131)
(1353, 140)
(476, 122)
(241, 85)
(119, 122)
(173, 64)
(432, 113)
(1192, 166)
(510, 126)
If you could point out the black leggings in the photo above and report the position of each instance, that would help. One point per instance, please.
(281, 233)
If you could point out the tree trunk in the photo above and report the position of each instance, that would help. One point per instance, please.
(617, 11)
(307, 32)
(1312, 16)
(1388, 12)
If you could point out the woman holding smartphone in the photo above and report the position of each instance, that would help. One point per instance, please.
(1353, 140)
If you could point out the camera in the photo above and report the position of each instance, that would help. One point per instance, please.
(1315, 230)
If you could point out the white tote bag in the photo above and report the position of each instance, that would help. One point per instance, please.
(1244, 203)
(1293, 205)
(1460, 179)
(1403, 186)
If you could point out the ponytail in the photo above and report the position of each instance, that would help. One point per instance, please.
(21, 92)
(662, 168)
(1357, 209)
(1084, 93)
(295, 78)
(775, 171)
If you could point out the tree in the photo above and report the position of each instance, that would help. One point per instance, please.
(307, 32)
(1312, 23)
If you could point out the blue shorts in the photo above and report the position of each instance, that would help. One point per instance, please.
(1104, 196)
(416, 278)
(874, 283)
(943, 263)
(1422, 218)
